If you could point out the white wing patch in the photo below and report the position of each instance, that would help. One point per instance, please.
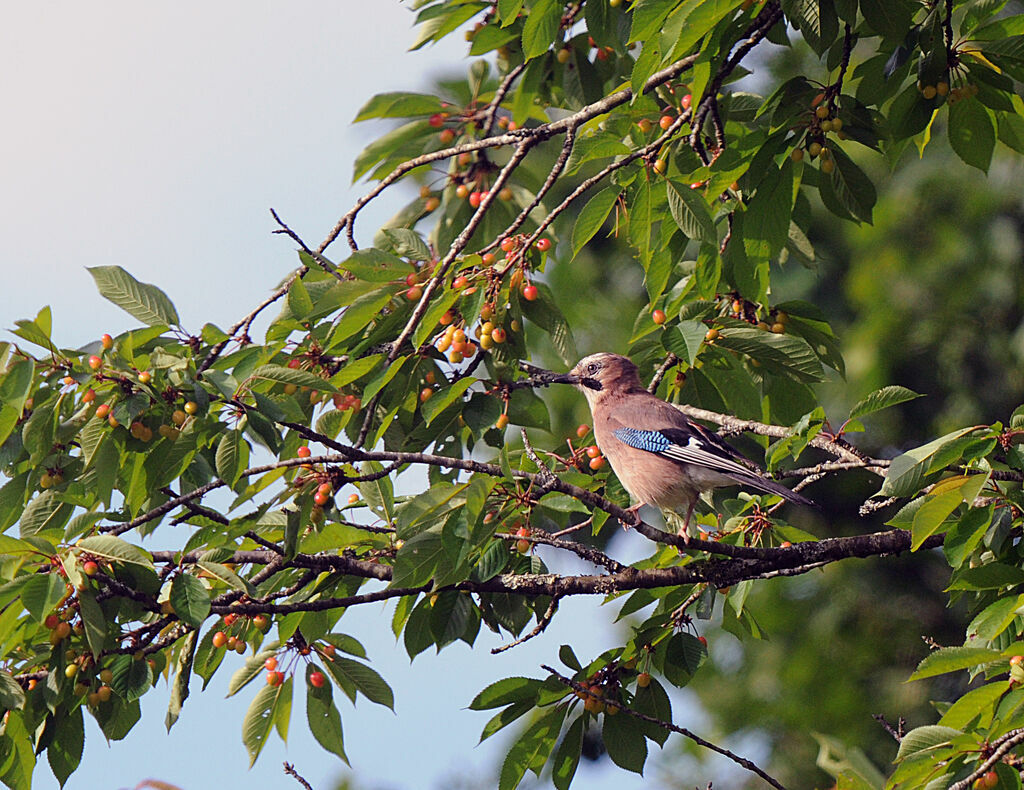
(694, 453)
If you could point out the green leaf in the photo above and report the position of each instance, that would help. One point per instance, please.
(787, 351)
(45, 512)
(131, 677)
(398, 104)
(1011, 131)
(506, 691)
(418, 559)
(508, 10)
(407, 243)
(531, 751)
(624, 739)
(690, 212)
(990, 576)
(41, 594)
(882, 399)
(544, 312)
(226, 575)
(888, 18)
(298, 299)
(190, 599)
(567, 757)
(323, 717)
(971, 132)
(907, 471)
(142, 301)
(852, 187)
(14, 390)
(93, 620)
(366, 680)
(301, 378)
(438, 307)
(65, 750)
(376, 266)
(182, 673)
(259, 719)
(592, 217)
(939, 504)
(11, 693)
(766, 220)
(232, 457)
(444, 398)
(379, 494)
(252, 669)
(953, 659)
(925, 738)
(685, 340)
(112, 548)
(541, 26)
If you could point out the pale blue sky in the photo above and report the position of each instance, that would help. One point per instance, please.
(156, 136)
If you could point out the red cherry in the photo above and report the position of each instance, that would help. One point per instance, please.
(597, 463)
(317, 679)
(294, 363)
(508, 244)
(436, 120)
(593, 451)
(51, 621)
(460, 282)
(447, 136)
(321, 498)
(271, 663)
(582, 430)
(475, 198)
(353, 498)
(658, 316)
(90, 568)
(414, 293)
(89, 396)
(275, 678)
(220, 639)
(107, 341)
(95, 362)
(530, 293)
(702, 640)
(543, 245)
(303, 452)
(686, 101)
(229, 619)
(666, 121)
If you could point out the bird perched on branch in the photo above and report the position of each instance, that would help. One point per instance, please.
(660, 456)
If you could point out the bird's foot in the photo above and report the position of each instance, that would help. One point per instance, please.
(632, 510)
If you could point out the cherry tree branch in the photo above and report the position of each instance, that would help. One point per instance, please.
(741, 761)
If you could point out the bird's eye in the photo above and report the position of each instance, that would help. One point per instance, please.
(592, 367)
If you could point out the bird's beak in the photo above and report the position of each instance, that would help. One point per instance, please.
(575, 378)
(548, 377)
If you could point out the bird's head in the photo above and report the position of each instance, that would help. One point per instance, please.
(600, 374)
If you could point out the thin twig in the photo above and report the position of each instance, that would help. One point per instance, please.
(1008, 741)
(543, 623)
(490, 114)
(289, 769)
(741, 761)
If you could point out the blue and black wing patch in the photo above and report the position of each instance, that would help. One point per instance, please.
(700, 447)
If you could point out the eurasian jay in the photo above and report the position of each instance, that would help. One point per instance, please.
(660, 456)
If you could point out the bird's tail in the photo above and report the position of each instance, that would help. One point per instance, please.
(770, 486)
